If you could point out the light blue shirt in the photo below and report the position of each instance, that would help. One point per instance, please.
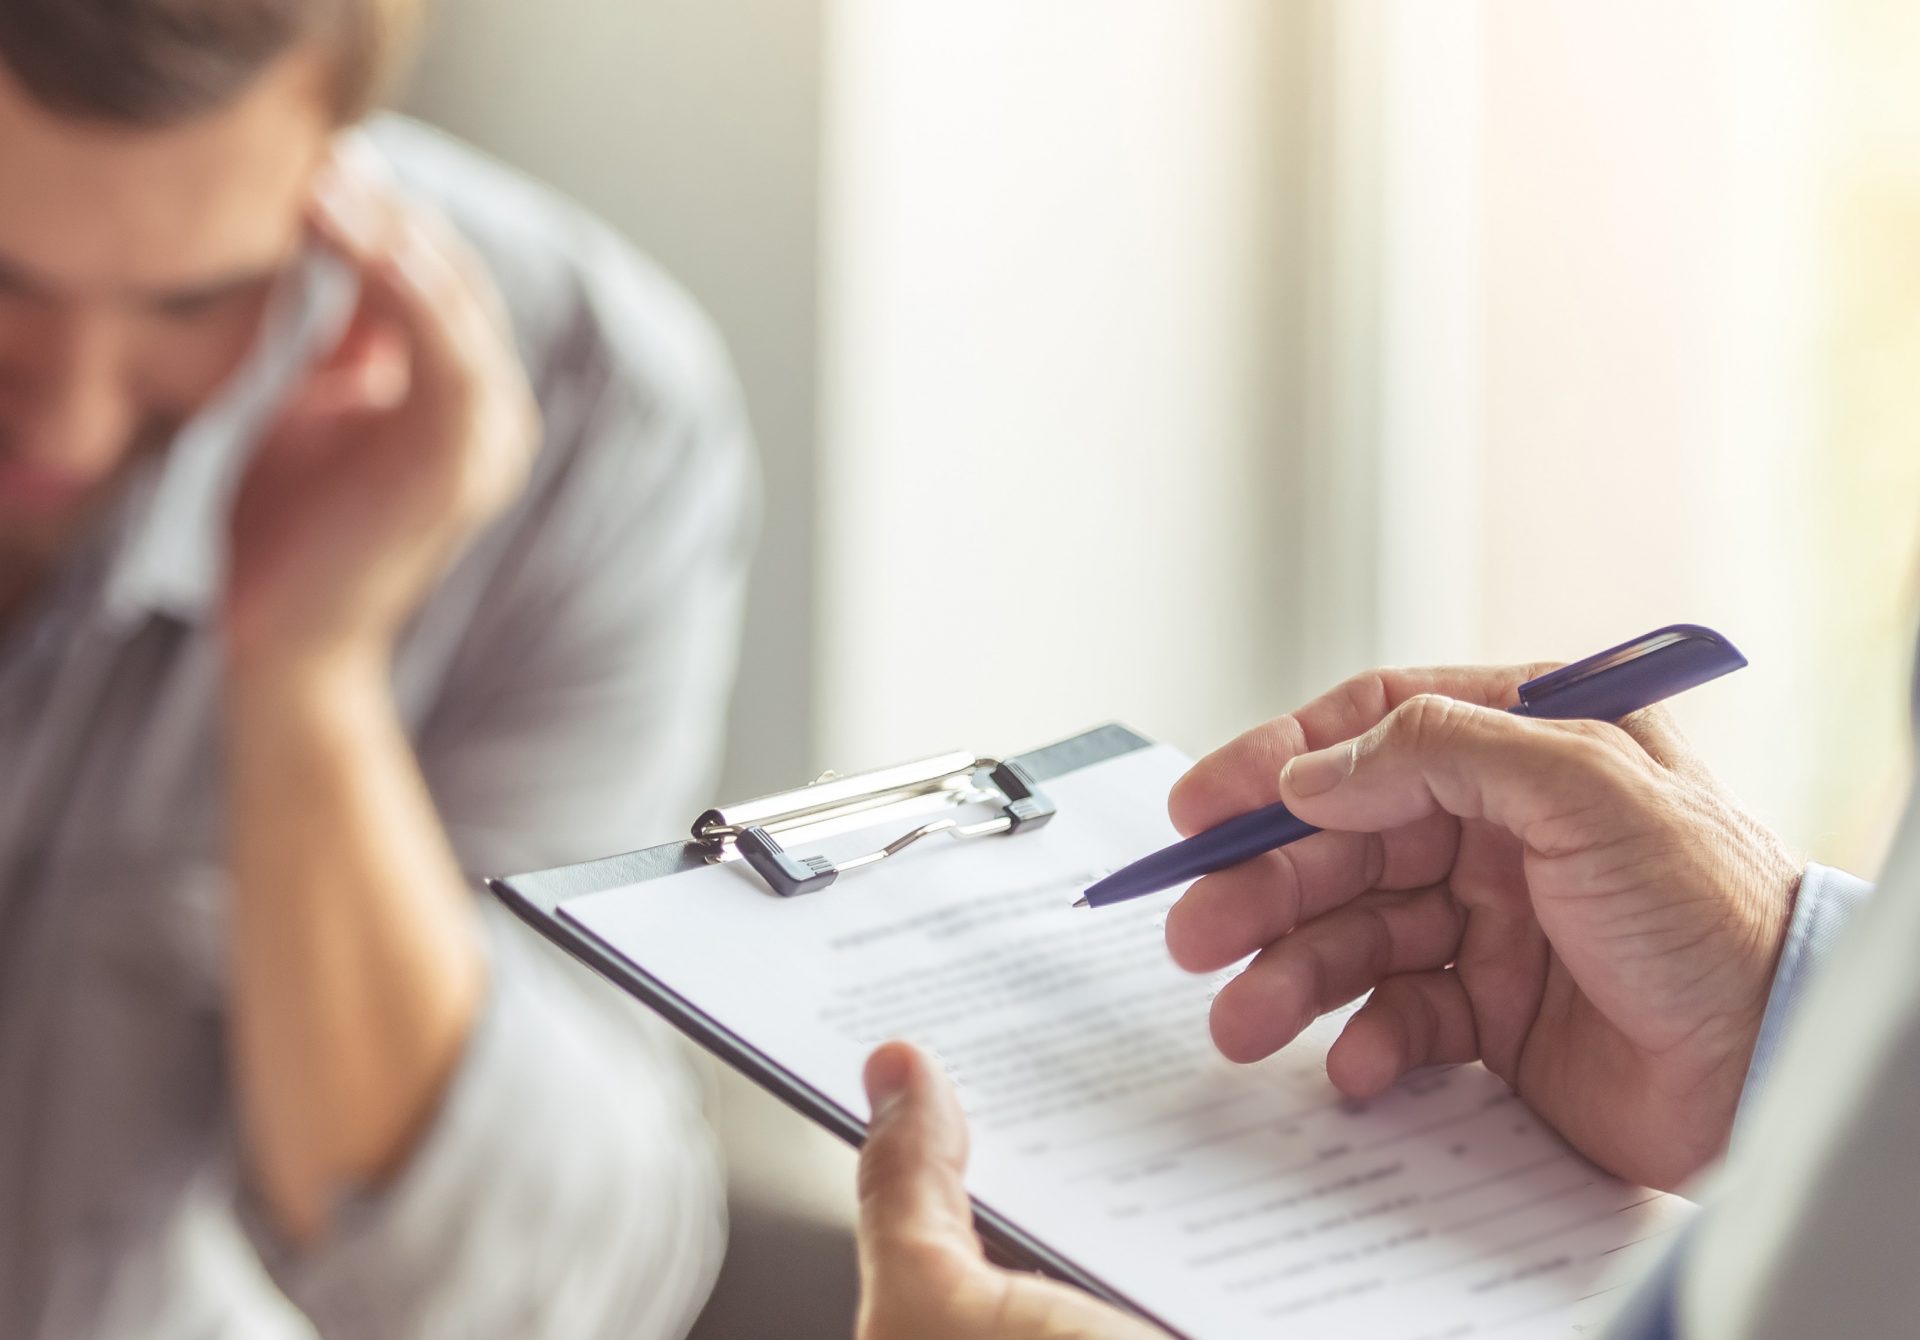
(1825, 904)
(1827, 900)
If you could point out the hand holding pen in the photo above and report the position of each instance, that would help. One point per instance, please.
(1577, 903)
(1604, 687)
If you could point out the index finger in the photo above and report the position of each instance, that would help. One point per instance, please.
(1244, 774)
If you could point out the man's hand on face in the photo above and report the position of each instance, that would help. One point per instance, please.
(416, 431)
(1577, 904)
(922, 1271)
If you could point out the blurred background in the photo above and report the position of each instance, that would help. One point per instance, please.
(1167, 362)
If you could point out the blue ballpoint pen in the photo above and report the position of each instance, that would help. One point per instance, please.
(1604, 687)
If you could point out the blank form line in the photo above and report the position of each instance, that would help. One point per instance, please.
(1422, 1130)
(1530, 1240)
(1220, 1138)
(1531, 1314)
(1263, 1178)
(1466, 1188)
(1665, 1232)
(1242, 1184)
(1517, 1206)
(1175, 1115)
(1237, 1133)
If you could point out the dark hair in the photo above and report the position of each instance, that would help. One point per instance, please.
(158, 62)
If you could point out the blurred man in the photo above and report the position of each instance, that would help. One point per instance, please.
(368, 520)
(1580, 907)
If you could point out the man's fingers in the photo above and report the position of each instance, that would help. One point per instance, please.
(1413, 1020)
(1552, 784)
(420, 284)
(1231, 914)
(419, 277)
(914, 1210)
(369, 371)
(1504, 955)
(1330, 961)
(1238, 777)
(1245, 773)
(416, 270)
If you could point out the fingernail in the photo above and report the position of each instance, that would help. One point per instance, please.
(1319, 772)
(888, 1071)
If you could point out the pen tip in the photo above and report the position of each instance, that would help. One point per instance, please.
(1080, 902)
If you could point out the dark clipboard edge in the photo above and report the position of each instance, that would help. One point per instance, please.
(536, 899)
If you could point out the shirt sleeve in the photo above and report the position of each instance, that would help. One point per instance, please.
(1812, 1220)
(1826, 902)
(568, 1185)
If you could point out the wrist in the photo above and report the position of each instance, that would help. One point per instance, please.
(1771, 906)
(282, 681)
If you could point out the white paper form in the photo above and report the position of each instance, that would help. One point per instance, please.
(1227, 1201)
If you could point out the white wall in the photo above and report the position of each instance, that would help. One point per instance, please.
(1571, 252)
(1062, 370)
(693, 126)
(1175, 359)
(1650, 351)
(1395, 391)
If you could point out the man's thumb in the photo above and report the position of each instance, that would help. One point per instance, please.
(912, 1188)
(1435, 754)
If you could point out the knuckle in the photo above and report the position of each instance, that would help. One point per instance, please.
(1269, 746)
(1421, 1018)
(1366, 694)
(1288, 886)
(1375, 935)
(1373, 857)
(1428, 721)
(884, 1164)
(1314, 971)
(1598, 750)
(1592, 735)
(917, 1266)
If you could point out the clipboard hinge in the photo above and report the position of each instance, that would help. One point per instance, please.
(748, 832)
(785, 873)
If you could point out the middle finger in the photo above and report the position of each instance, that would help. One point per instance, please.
(1331, 960)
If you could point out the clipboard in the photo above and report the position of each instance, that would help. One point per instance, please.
(1114, 1149)
(774, 828)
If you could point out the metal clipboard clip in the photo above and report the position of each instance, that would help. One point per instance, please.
(750, 831)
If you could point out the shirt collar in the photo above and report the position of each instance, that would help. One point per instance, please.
(173, 557)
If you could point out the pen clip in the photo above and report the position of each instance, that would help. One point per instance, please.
(1633, 675)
